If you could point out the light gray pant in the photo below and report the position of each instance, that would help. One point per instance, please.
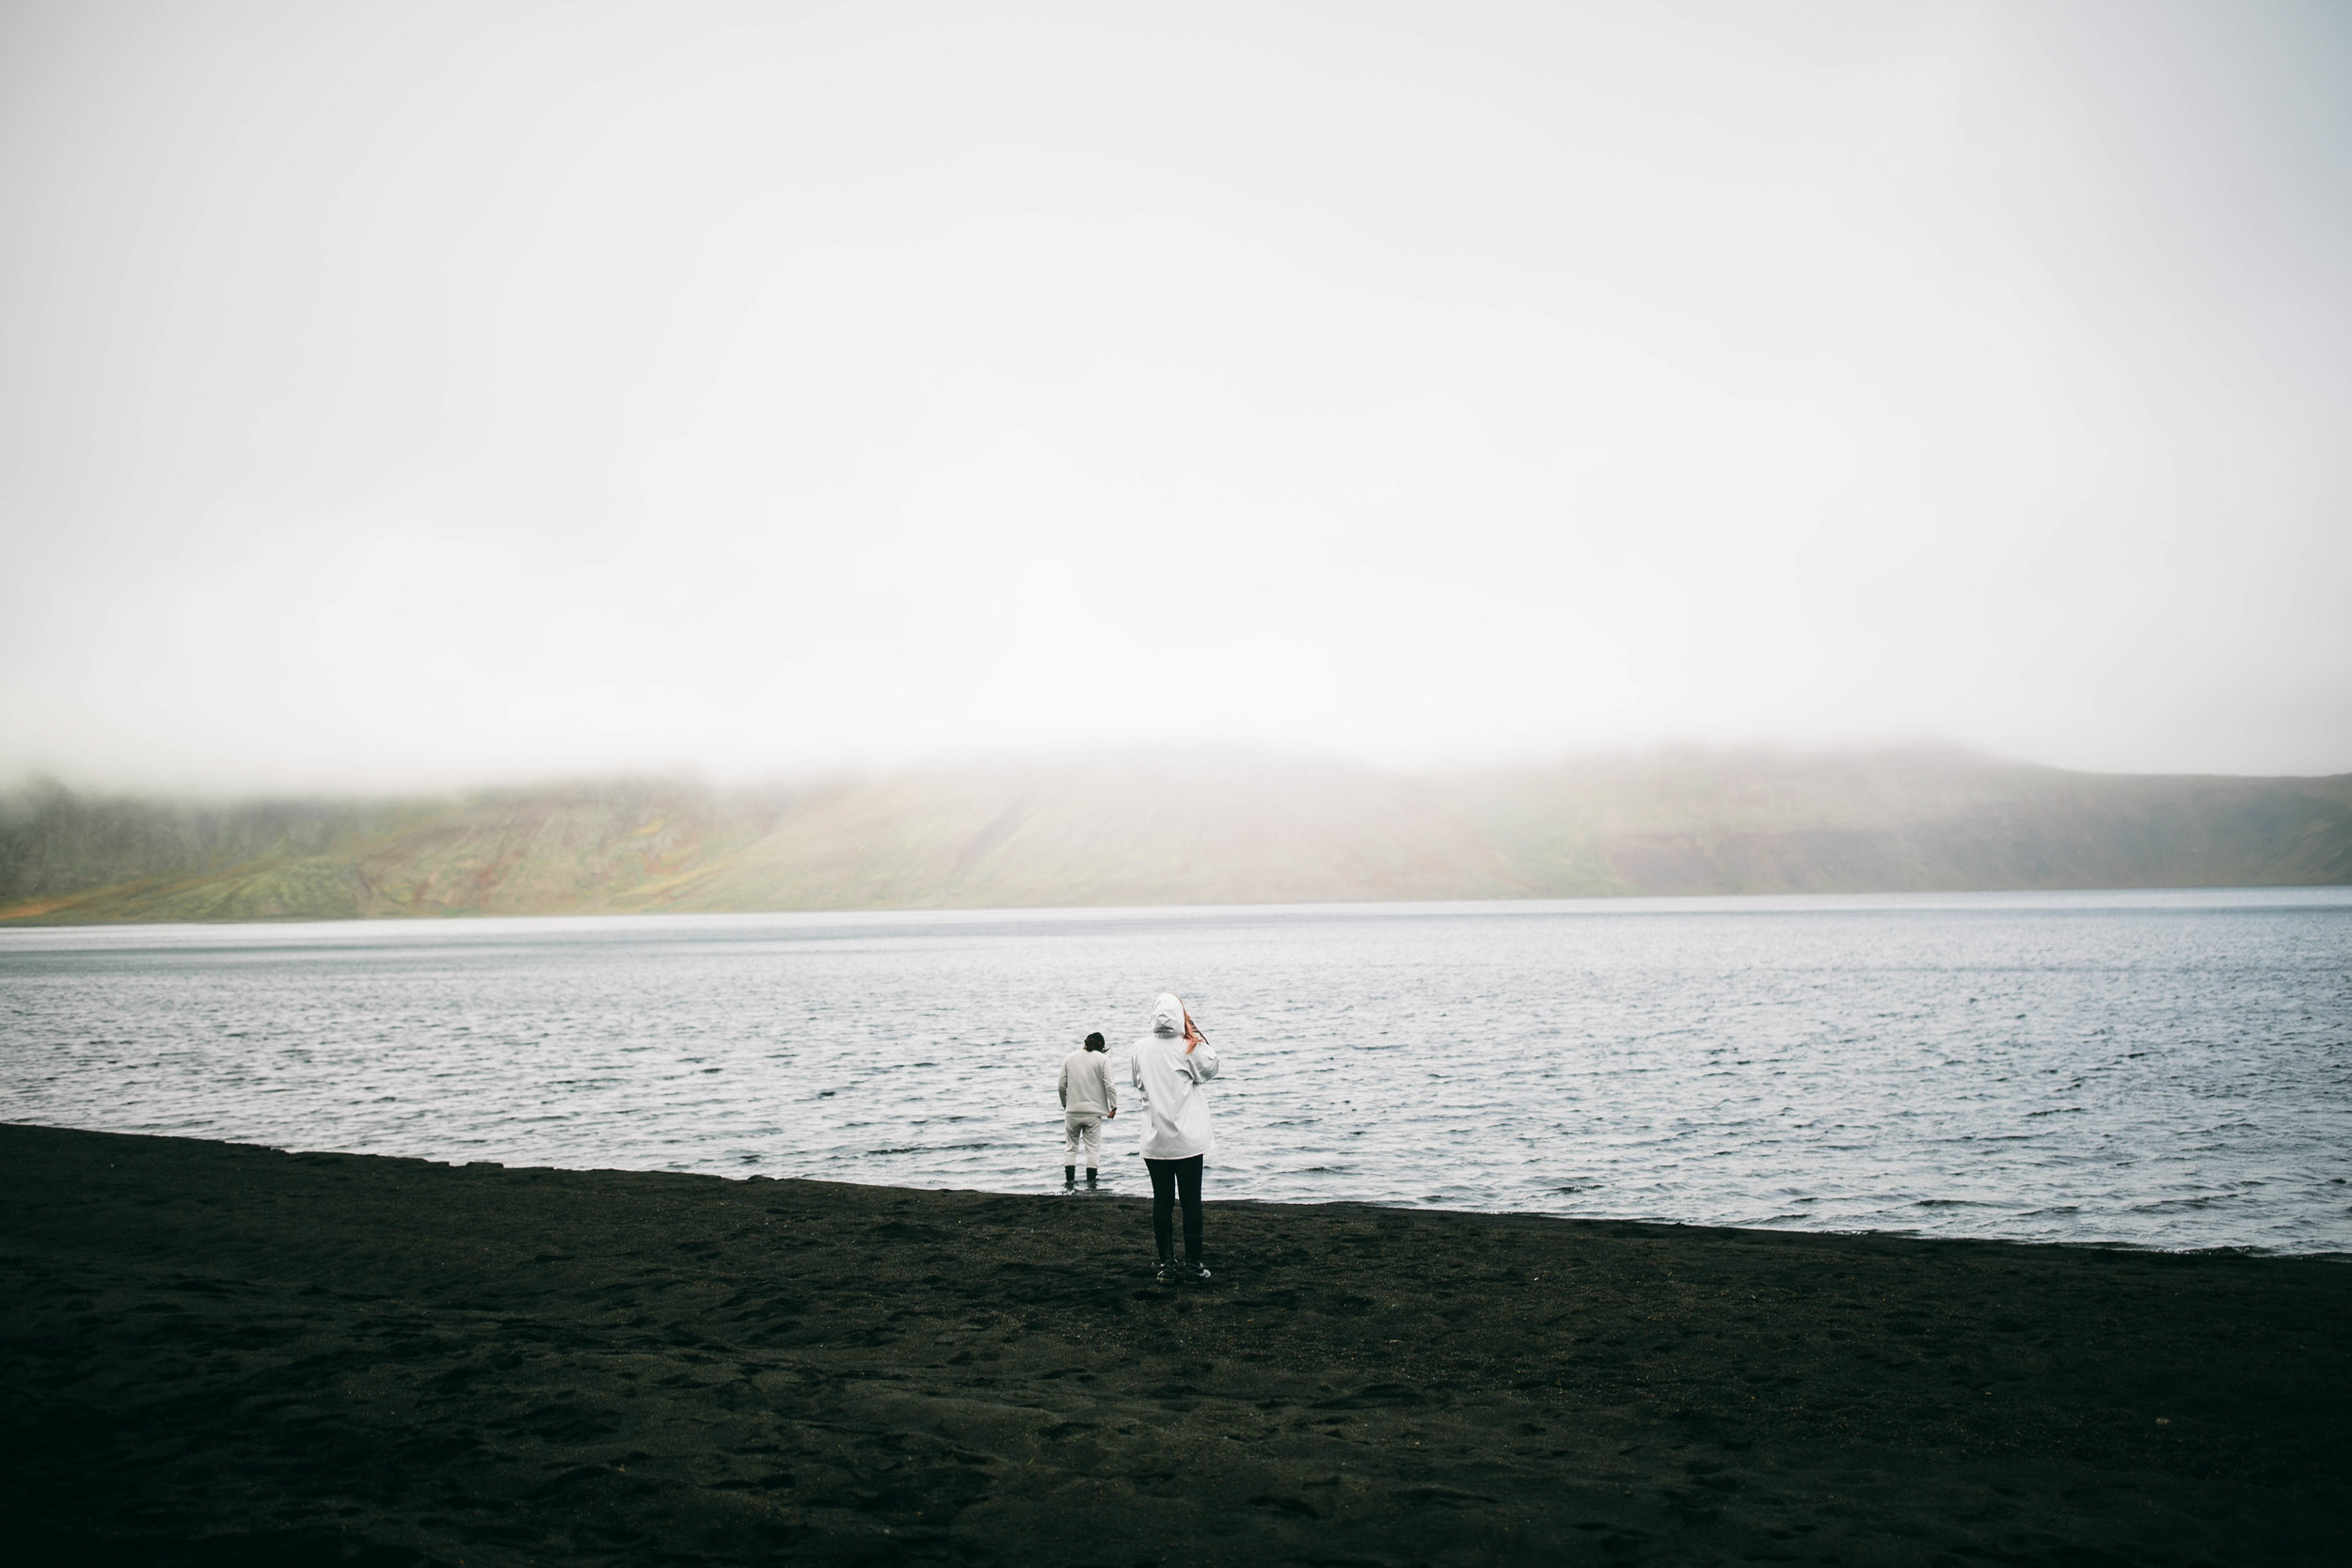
(1081, 1127)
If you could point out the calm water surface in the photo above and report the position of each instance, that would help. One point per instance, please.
(2169, 1069)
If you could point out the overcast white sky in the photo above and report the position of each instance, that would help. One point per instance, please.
(411, 393)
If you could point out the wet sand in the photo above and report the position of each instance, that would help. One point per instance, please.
(219, 1355)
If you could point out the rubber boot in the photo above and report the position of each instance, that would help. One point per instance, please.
(1092, 1176)
(1070, 1176)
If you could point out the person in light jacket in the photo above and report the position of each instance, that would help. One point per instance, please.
(1087, 1099)
(1169, 1066)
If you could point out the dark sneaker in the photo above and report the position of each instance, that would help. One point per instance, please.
(1166, 1273)
(1197, 1272)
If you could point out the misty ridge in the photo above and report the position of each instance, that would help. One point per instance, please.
(1132, 829)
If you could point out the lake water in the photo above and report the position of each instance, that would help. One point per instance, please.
(2168, 1069)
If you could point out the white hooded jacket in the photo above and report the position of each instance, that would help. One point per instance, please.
(1170, 1080)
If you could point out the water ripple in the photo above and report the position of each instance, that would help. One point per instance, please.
(2166, 1070)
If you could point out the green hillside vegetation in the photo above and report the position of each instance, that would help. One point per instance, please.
(1132, 830)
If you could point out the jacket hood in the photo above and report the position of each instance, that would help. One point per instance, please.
(1168, 1015)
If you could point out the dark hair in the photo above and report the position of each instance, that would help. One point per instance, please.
(1095, 1042)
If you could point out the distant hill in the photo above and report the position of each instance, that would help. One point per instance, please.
(1128, 831)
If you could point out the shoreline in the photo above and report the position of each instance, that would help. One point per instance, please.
(2261, 894)
(224, 1352)
(1113, 1191)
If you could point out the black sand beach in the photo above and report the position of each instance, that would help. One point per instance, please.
(222, 1354)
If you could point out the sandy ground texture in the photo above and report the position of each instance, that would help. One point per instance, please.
(221, 1354)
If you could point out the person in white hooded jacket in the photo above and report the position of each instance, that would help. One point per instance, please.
(1168, 1068)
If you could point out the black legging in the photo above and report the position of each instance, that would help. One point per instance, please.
(1169, 1178)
